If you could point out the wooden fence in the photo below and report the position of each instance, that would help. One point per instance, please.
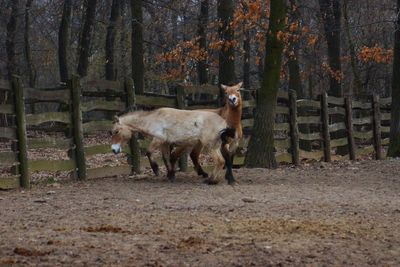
(316, 129)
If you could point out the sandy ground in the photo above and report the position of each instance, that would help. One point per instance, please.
(314, 215)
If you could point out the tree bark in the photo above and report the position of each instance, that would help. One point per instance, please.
(86, 38)
(261, 146)
(353, 57)
(394, 145)
(110, 39)
(247, 51)
(137, 46)
(28, 51)
(202, 32)
(63, 40)
(226, 70)
(331, 15)
(12, 25)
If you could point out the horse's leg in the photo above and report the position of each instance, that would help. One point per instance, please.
(194, 155)
(166, 155)
(176, 154)
(228, 164)
(154, 144)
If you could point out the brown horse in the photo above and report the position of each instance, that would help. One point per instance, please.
(181, 128)
(231, 112)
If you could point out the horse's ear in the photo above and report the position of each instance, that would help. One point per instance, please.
(116, 119)
(239, 85)
(224, 87)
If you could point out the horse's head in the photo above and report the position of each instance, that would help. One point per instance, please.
(232, 94)
(121, 133)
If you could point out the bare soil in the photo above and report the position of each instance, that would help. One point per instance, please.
(315, 215)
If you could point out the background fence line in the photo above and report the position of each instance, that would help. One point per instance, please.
(328, 128)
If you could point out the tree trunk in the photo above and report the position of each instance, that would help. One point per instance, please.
(110, 39)
(63, 40)
(353, 57)
(202, 32)
(12, 25)
(86, 38)
(226, 70)
(331, 15)
(261, 146)
(28, 50)
(394, 145)
(137, 46)
(247, 51)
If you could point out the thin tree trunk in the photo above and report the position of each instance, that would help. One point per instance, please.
(63, 40)
(394, 145)
(28, 50)
(353, 57)
(226, 53)
(247, 52)
(261, 146)
(110, 39)
(86, 38)
(331, 15)
(12, 25)
(137, 46)
(202, 32)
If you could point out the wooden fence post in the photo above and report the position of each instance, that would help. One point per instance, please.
(76, 94)
(133, 143)
(180, 101)
(294, 129)
(19, 101)
(376, 123)
(325, 127)
(349, 127)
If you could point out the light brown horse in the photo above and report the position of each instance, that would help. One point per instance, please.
(181, 128)
(231, 112)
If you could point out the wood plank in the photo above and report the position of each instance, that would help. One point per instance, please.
(337, 110)
(310, 136)
(50, 142)
(249, 104)
(9, 182)
(283, 126)
(155, 101)
(108, 171)
(294, 128)
(309, 119)
(316, 155)
(35, 95)
(325, 127)
(8, 158)
(283, 157)
(377, 127)
(103, 105)
(339, 142)
(282, 110)
(308, 103)
(365, 151)
(7, 109)
(283, 94)
(103, 149)
(349, 127)
(247, 123)
(361, 105)
(5, 85)
(196, 107)
(337, 126)
(200, 89)
(385, 116)
(385, 141)
(8, 133)
(51, 165)
(100, 85)
(362, 121)
(385, 101)
(385, 129)
(37, 119)
(339, 101)
(363, 135)
(282, 143)
(96, 126)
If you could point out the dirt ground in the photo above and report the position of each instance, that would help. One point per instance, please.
(314, 215)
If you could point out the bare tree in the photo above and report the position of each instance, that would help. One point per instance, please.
(202, 72)
(28, 51)
(110, 39)
(137, 45)
(63, 40)
(12, 25)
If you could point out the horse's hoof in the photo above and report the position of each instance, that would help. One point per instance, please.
(204, 174)
(231, 182)
(211, 181)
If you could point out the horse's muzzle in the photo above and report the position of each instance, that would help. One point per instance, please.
(116, 148)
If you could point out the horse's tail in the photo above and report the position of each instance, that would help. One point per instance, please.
(227, 133)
